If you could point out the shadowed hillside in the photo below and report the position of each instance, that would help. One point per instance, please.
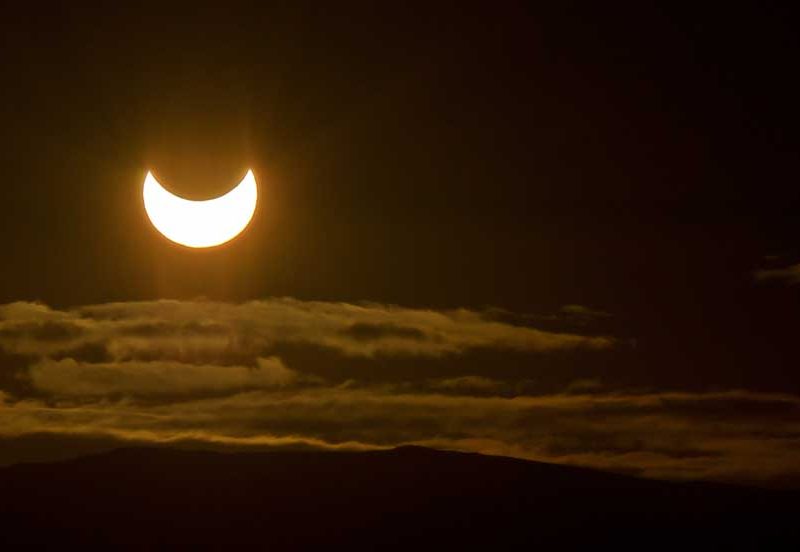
(408, 497)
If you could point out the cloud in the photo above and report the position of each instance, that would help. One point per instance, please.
(365, 331)
(569, 318)
(212, 331)
(584, 386)
(469, 384)
(68, 377)
(476, 386)
(230, 375)
(789, 275)
(733, 435)
(582, 311)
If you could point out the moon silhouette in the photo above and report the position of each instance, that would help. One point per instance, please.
(200, 223)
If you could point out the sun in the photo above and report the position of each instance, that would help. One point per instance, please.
(200, 224)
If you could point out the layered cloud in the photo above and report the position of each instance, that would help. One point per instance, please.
(726, 436)
(789, 274)
(213, 374)
(69, 378)
(187, 329)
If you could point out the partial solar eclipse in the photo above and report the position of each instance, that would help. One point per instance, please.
(200, 223)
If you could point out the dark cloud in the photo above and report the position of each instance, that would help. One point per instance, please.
(41, 331)
(472, 385)
(14, 374)
(365, 331)
(568, 318)
(583, 311)
(789, 275)
(68, 377)
(164, 329)
(584, 386)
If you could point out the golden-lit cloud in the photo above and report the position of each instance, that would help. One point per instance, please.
(68, 377)
(670, 435)
(181, 329)
(230, 375)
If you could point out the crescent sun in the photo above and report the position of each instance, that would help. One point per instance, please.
(200, 223)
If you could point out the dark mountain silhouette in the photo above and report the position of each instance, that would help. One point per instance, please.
(154, 498)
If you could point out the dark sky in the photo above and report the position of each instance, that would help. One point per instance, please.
(637, 162)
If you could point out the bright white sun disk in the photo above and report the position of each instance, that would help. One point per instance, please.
(201, 223)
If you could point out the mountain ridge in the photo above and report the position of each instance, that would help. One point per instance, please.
(146, 497)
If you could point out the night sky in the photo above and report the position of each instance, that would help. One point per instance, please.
(555, 234)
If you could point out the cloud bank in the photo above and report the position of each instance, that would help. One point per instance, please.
(179, 328)
(213, 373)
